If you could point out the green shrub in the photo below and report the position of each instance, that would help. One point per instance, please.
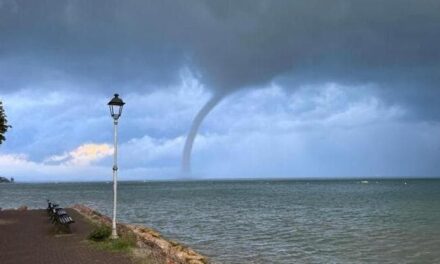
(100, 233)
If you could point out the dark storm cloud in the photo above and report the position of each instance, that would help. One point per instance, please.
(229, 45)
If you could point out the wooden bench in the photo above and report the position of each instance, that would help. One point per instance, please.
(59, 216)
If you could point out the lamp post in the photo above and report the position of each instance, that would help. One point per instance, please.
(115, 105)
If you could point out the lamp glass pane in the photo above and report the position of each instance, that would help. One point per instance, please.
(120, 110)
(111, 110)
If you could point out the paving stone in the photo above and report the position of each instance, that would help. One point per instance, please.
(27, 237)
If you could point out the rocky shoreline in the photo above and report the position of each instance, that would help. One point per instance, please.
(150, 243)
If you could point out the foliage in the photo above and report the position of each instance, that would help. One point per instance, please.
(3, 123)
(100, 233)
(3, 179)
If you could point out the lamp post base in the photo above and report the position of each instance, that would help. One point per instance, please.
(114, 234)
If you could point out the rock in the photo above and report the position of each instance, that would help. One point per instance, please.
(22, 208)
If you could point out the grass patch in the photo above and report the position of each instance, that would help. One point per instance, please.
(100, 238)
(115, 245)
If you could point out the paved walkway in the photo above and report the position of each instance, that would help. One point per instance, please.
(27, 237)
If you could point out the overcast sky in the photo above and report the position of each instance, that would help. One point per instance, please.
(305, 89)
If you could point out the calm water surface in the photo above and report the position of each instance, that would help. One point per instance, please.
(270, 221)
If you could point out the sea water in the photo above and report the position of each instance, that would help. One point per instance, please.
(270, 221)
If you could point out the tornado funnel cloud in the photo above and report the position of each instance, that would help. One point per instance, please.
(186, 157)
